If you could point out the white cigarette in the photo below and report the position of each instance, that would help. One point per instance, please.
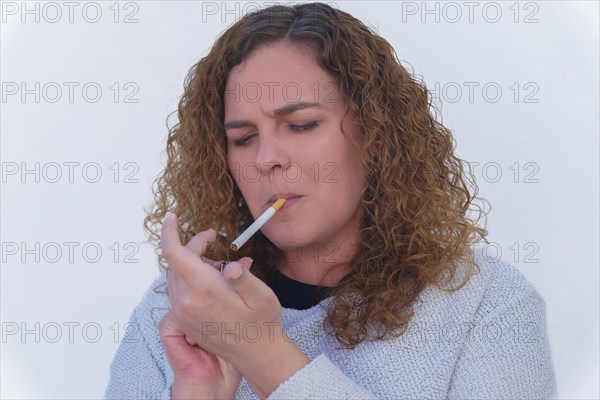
(256, 225)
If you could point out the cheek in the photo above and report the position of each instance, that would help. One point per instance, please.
(245, 178)
(234, 170)
(351, 180)
(341, 183)
(344, 167)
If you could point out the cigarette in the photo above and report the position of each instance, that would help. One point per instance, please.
(256, 225)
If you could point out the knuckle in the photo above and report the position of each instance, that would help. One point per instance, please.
(186, 305)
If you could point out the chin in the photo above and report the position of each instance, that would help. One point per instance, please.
(286, 238)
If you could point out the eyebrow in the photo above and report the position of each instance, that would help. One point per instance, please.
(285, 110)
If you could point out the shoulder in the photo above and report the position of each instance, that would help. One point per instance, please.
(140, 368)
(154, 303)
(146, 316)
(155, 295)
(507, 342)
(501, 284)
(496, 287)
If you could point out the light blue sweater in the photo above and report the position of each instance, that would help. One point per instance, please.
(486, 341)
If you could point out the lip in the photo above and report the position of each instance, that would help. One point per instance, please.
(289, 197)
(290, 202)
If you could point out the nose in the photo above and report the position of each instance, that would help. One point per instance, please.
(271, 154)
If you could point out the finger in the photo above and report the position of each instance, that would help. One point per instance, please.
(239, 277)
(172, 279)
(190, 341)
(215, 264)
(180, 258)
(200, 242)
(212, 263)
(245, 263)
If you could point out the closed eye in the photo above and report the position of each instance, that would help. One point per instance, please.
(304, 127)
(243, 141)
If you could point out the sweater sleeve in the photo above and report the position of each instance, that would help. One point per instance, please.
(320, 379)
(134, 372)
(507, 355)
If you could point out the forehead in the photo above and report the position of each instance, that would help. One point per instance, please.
(279, 72)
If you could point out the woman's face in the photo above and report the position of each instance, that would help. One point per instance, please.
(288, 136)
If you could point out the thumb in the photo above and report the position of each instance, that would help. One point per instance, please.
(237, 274)
(234, 270)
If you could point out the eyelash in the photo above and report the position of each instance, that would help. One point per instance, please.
(296, 128)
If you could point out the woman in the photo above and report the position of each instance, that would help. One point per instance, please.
(365, 284)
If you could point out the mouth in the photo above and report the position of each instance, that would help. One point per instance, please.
(290, 198)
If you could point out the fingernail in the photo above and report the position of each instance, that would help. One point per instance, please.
(168, 215)
(248, 261)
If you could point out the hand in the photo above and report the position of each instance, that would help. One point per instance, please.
(198, 373)
(236, 317)
(208, 306)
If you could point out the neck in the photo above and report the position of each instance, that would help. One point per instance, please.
(319, 264)
(324, 262)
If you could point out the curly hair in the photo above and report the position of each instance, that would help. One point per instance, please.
(415, 228)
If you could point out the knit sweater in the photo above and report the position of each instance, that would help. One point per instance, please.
(488, 340)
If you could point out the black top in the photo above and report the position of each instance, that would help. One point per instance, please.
(295, 294)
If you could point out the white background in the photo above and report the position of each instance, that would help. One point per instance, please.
(550, 209)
